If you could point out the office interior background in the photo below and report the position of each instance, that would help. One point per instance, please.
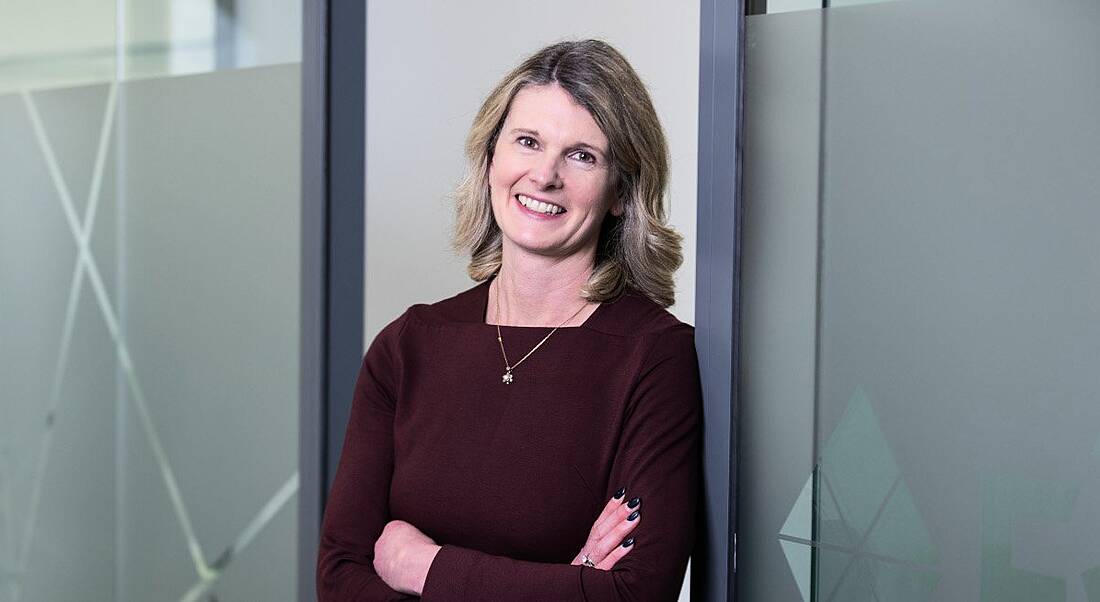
(915, 398)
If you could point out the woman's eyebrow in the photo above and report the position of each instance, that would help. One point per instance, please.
(586, 146)
(575, 146)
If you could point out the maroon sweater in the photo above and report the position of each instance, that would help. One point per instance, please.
(509, 478)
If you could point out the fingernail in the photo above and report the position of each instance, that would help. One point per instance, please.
(629, 541)
(633, 515)
(634, 502)
(620, 493)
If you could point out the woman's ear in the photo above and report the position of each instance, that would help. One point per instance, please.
(618, 207)
(619, 204)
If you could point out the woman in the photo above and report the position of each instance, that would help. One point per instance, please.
(504, 443)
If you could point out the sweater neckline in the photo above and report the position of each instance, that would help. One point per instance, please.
(481, 306)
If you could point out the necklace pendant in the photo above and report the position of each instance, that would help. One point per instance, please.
(507, 378)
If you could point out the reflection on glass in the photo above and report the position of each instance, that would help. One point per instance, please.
(785, 6)
(176, 37)
(55, 44)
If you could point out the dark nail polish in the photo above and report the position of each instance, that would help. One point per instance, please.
(629, 541)
(634, 502)
(620, 493)
(633, 515)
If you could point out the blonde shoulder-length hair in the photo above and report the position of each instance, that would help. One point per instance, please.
(637, 249)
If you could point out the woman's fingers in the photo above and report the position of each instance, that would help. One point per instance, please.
(615, 519)
(612, 505)
(614, 512)
(620, 550)
(615, 536)
(607, 549)
(596, 532)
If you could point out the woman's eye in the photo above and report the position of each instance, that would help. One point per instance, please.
(585, 157)
(528, 142)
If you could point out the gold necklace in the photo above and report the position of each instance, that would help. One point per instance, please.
(508, 367)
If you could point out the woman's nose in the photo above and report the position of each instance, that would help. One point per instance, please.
(545, 172)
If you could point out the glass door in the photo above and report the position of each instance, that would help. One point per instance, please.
(149, 299)
(922, 303)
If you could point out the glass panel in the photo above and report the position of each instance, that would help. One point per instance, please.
(148, 317)
(777, 493)
(173, 37)
(786, 6)
(839, 3)
(944, 421)
(211, 265)
(55, 44)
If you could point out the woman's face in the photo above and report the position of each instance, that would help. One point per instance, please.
(550, 179)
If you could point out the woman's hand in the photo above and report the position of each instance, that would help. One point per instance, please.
(606, 543)
(402, 557)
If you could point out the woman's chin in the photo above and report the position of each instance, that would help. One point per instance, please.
(541, 250)
(544, 248)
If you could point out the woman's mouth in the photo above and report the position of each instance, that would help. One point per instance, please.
(539, 208)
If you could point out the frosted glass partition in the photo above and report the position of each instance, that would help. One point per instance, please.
(921, 416)
(149, 303)
(212, 311)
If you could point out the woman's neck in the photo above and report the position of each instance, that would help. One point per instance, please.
(533, 290)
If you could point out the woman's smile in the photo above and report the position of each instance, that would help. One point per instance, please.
(538, 208)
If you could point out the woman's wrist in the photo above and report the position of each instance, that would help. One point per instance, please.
(420, 563)
(402, 556)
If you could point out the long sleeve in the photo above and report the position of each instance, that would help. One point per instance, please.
(657, 459)
(358, 505)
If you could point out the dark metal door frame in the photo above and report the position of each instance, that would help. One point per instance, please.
(332, 272)
(334, 39)
(717, 294)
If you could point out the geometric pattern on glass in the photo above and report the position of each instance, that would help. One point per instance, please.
(17, 537)
(854, 533)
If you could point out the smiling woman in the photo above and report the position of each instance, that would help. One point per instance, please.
(601, 132)
(466, 475)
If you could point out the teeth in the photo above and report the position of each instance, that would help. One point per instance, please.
(539, 206)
